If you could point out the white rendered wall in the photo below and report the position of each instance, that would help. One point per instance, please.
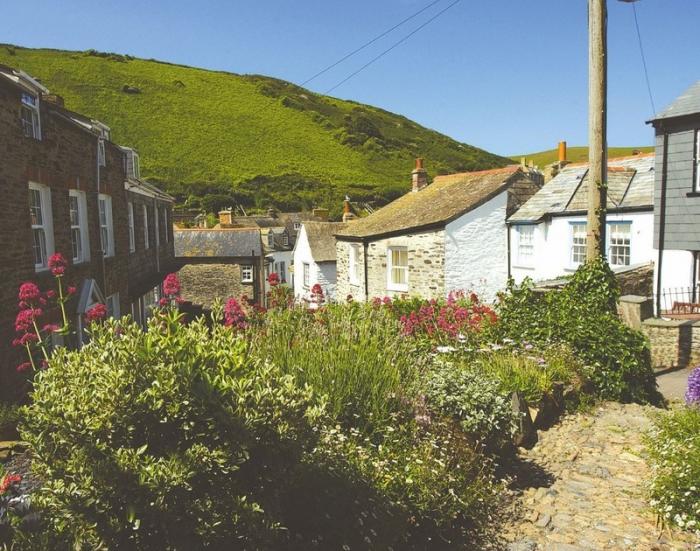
(676, 276)
(323, 273)
(476, 250)
(552, 245)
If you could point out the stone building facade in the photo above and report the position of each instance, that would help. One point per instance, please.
(64, 167)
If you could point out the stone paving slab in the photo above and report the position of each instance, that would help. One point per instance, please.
(589, 493)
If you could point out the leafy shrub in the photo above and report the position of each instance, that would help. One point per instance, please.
(674, 449)
(583, 316)
(353, 354)
(9, 417)
(474, 400)
(170, 439)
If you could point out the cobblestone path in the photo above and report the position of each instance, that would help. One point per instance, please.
(583, 485)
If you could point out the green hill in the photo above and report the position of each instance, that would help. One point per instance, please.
(577, 154)
(214, 138)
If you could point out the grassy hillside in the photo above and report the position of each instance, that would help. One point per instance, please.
(577, 154)
(220, 137)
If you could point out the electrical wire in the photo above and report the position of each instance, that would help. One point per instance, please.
(382, 35)
(644, 61)
(404, 39)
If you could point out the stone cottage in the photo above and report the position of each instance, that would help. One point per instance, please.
(441, 237)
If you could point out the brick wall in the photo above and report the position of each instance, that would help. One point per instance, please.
(65, 158)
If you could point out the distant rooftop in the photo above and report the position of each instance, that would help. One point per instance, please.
(630, 185)
(217, 243)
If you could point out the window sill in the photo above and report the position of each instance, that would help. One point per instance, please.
(693, 194)
(397, 288)
(522, 267)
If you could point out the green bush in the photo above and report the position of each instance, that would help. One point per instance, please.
(674, 450)
(473, 399)
(170, 439)
(583, 315)
(9, 417)
(353, 354)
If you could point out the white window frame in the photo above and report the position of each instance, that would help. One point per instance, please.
(106, 224)
(165, 225)
(696, 165)
(30, 106)
(354, 265)
(156, 213)
(392, 285)
(525, 245)
(285, 239)
(132, 227)
(297, 226)
(44, 228)
(306, 273)
(81, 226)
(101, 155)
(574, 247)
(112, 304)
(246, 273)
(144, 214)
(612, 237)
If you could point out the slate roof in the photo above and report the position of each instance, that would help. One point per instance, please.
(630, 185)
(448, 197)
(213, 243)
(321, 236)
(687, 103)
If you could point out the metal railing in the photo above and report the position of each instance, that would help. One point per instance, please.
(679, 301)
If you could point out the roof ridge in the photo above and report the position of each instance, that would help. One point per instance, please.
(615, 159)
(508, 168)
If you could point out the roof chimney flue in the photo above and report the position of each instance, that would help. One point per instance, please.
(347, 210)
(562, 152)
(419, 176)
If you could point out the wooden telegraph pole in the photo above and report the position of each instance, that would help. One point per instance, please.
(597, 127)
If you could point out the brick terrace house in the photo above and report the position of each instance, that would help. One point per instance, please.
(447, 236)
(66, 189)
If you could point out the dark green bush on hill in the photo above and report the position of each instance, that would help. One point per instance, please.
(583, 315)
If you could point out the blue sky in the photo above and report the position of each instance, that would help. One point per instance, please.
(509, 76)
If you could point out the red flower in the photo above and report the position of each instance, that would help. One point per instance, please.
(25, 319)
(317, 289)
(234, 315)
(8, 481)
(57, 264)
(50, 293)
(50, 327)
(96, 313)
(163, 302)
(171, 285)
(273, 279)
(22, 368)
(71, 290)
(28, 291)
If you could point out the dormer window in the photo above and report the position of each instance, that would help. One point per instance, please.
(297, 226)
(271, 239)
(136, 165)
(131, 164)
(285, 240)
(30, 116)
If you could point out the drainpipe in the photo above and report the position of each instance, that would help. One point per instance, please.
(365, 247)
(662, 223)
(508, 228)
(99, 190)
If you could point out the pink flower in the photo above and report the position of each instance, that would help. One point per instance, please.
(23, 367)
(57, 264)
(234, 315)
(171, 285)
(71, 290)
(25, 319)
(28, 291)
(9, 481)
(163, 302)
(317, 289)
(50, 293)
(273, 279)
(96, 313)
(50, 327)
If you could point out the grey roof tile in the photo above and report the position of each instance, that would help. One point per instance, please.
(217, 243)
(687, 103)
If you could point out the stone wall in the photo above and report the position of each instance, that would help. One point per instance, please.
(202, 284)
(674, 343)
(426, 266)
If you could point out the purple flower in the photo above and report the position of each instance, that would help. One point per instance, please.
(692, 395)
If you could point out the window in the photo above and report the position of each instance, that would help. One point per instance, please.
(77, 205)
(166, 233)
(620, 244)
(101, 157)
(146, 244)
(578, 243)
(113, 306)
(155, 218)
(270, 239)
(526, 244)
(106, 228)
(285, 240)
(696, 162)
(283, 272)
(246, 273)
(355, 264)
(397, 269)
(132, 236)
(42, 227)
(136, 165)
(297, 226)
(30, 116)
(307, 275)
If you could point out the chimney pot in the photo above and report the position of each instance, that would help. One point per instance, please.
(419, 176)
(562, 152)
(347, 211)
(225, 218)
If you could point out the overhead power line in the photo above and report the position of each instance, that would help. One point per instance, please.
(644, 61)
(404, 39)
(382, 35)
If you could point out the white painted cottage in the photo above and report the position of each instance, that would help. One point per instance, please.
(447, 236)
(548, 233)
(315, 259)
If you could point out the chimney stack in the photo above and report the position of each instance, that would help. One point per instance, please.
(562, 152)
(320, 213)
(54, 99)
(347, 210)
(226, 218)
(271, 212)
(419, 176)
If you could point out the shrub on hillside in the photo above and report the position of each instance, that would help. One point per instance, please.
(583, 315)
(674, 450)
(169, 439)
